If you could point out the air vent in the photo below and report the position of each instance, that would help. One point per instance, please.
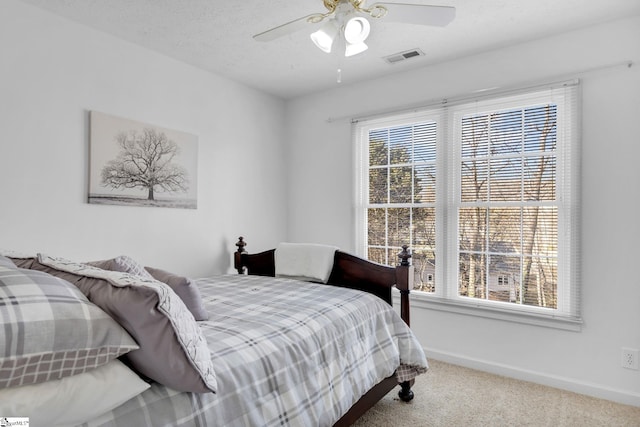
(403, 56)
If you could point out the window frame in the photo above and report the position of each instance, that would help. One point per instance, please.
(447, 114)
(362, 178)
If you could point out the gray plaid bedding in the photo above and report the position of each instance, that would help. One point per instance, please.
(286, 353)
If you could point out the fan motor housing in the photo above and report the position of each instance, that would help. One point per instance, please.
(333, 4)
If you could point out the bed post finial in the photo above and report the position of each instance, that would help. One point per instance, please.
(237, 255)
(404, 282)
(404, 256)
(241, 244)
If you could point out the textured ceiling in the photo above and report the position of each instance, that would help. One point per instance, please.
(216, 35)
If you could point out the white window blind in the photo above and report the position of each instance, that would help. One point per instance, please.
(485, 192)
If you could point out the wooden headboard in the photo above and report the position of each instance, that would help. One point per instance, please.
(348, 271)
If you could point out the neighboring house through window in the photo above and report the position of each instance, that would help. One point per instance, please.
(485, 192)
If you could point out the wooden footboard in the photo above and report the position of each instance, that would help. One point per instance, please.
(357, 273)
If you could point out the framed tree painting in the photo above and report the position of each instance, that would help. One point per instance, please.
(134, 163)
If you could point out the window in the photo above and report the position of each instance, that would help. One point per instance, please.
(485, 192)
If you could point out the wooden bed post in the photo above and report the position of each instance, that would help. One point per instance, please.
(237, 255)
(404, 282)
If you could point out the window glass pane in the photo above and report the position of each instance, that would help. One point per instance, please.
(540, 128)
(540, 231)
(506, 179)
(504, 278)
(378, 190)
(424, 148)
(399, 226)
(400, 142)
(472, 224)
(424, 227)
(505, 230)
(540, 178)
(473, 186)
(425, 184)
(475, 136)
(378, 146)
(377, 255)
(424, 267)
(377, 227)
(506, 132)
(424, 244)
(540, 279)
(472, 275)
(392, 256)
(400, 187)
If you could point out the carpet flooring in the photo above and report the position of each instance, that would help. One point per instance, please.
(450, 395)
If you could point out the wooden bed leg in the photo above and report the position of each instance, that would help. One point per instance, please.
(405, 394)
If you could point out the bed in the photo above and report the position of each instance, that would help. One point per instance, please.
(268, 346)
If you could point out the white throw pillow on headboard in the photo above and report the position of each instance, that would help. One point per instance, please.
(304, 261)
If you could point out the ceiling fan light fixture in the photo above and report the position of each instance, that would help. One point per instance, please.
(355, 48)
(356, 30)
(324, 37)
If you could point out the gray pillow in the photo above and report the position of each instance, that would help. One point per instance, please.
(173, 350)
(50, 330)
(186, 289)
(6, 262)
(124, 264)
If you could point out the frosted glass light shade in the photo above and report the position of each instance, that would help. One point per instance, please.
(356, 30)
(324, 37)
(355, 48)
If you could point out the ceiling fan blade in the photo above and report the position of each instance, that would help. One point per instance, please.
(288, 28)
(420, 14)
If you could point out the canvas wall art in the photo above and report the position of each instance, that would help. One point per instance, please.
(134, 163)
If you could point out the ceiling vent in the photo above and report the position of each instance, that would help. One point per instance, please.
(403, 56)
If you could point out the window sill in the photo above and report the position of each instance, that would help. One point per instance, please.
(422, 300)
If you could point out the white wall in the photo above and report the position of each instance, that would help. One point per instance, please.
(52, 73)
(321, 201)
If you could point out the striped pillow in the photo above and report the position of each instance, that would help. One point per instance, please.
(51, 330)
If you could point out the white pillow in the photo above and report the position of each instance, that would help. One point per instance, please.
(304, 261)
(72, 400)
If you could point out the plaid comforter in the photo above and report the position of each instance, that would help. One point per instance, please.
(286, 353)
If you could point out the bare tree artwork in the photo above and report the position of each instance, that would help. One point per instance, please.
(133, 163)
(146, 160)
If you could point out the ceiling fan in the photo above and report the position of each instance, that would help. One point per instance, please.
(347, 18)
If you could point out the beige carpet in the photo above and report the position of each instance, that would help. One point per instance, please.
(450, 395)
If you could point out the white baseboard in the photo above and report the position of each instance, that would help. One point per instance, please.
(570, 384)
